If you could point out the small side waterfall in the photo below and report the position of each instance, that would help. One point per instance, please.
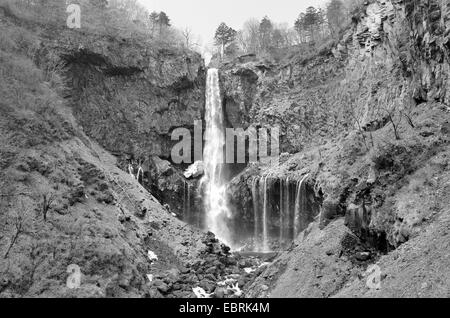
(282, 209)
(217, 212)
(292, 210)
(261, 213)
(187, 202)
(255, 196)
(300, 204)
(287, 213)
(265, 244)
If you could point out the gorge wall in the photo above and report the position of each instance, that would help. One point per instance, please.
(129, 94)
(394, 52)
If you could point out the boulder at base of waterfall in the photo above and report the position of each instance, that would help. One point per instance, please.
(195, 170)
(162, 166)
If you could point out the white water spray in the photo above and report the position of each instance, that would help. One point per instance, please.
(217, 212)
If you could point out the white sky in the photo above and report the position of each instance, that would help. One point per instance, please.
(204, 16)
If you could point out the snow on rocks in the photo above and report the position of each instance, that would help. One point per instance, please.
(201, 293)
(235, 290)
(195, 170)
(152, 256)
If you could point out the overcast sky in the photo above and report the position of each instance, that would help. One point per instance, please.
(203, 16)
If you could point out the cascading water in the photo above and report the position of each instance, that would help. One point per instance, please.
(265, 246)
(187, 202)
(261, 213)
(282, 210)
(300, 204)
(292, 209)
(255, 208)
(292, 196)
(287, 212)
(217, 212)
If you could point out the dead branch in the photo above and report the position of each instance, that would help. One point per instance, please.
(360, 129)
(4, 195)
(410, 122)
(19, 229)
(47, 201)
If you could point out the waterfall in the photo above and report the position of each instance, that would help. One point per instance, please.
(300, 205)
(217, 212)
(288, 207)
(282, 210)
(187, 202)
(140, 173)
(255, 200)
(261, 216)
(285, 210)
(292, 210)
(265, 219)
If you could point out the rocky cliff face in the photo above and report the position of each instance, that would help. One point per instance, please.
(394, 55)
(129, 95)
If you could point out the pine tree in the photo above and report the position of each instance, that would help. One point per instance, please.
(265, 31)
(336, 16)
(153, 21)
(163, 21)
(299, 26)
(224, 36)
(309, 22)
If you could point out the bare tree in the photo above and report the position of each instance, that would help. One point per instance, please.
(19, 229)
(187, 35)
(392, 110)
(391, 117)
(360, 129)
(47, 201)
(250, 35)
